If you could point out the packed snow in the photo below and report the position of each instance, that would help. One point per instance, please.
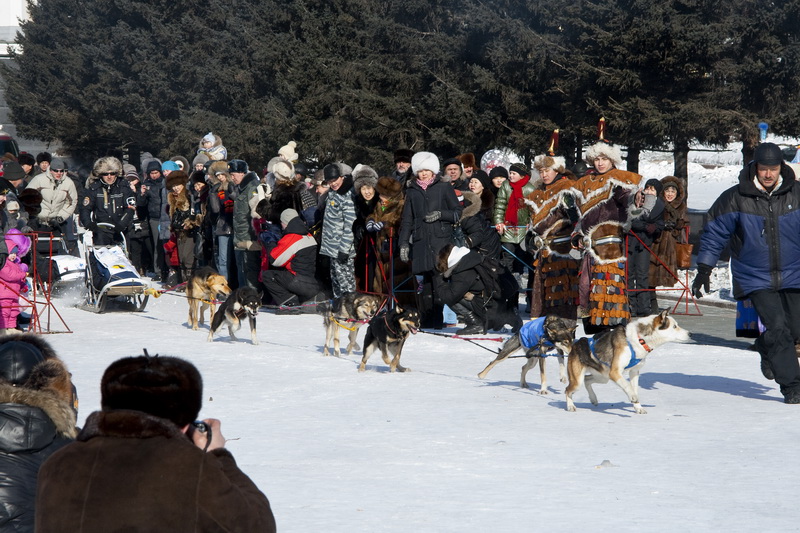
(439, 450)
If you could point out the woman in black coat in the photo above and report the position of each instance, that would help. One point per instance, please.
(430, 210)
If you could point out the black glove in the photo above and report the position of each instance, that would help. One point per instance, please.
(669, 225)
(343, 257)
(404, 251)
(433, 216)
(702, 280)
(650, 229)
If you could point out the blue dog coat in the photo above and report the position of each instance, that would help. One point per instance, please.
(532, 334)
(634, 360)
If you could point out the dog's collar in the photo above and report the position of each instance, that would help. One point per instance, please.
(386, 321)
(644, 345)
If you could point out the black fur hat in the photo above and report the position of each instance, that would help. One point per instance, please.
(403, 155)
(166, 387)
(237, 165)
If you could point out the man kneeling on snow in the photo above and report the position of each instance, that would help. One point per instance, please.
(143, 464)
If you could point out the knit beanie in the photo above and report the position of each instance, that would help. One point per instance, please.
(519, 168)
(287, 215)
(498, 171)
(656, 184)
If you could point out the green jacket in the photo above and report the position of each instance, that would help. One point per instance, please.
(512, 234)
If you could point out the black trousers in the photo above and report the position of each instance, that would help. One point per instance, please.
(282, 285)
(638, 278)
(780, 313)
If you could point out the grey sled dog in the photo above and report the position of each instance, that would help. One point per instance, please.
(612, 352)
(350, 311)
(538, 336)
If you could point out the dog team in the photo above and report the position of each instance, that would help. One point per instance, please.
(606, 356)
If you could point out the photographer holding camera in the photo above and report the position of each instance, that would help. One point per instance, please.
(143, 463)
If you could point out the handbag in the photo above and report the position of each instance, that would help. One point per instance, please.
(683, 255)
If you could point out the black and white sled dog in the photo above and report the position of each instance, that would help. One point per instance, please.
(388, 332)
(539, 336)
(350, 311)
(610, 353)
(243, 303)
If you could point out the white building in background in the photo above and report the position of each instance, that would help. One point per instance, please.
(11, 11)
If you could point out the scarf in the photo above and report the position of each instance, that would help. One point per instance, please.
(424, 184)
(515, 201)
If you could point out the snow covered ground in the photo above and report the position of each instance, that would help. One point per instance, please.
(438, 450)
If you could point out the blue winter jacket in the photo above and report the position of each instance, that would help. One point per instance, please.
(763, 231)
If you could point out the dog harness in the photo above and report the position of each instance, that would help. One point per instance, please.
(634, 360)
(532, 334)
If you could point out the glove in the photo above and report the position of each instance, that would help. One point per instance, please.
(404, 251)
(24, 267)
(669, 225)
(56, 221)
(650, 228)
(244, 245)
(701, 280)
(374, 226)
(433, 216)
(343, 257)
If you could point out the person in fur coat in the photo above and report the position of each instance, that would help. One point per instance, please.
(185, 221)
(38, 408)
(553, 217)
(675, 222)
(383, 226)
(140, 464)
(608, 201)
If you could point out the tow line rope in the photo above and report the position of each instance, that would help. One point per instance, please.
(468, 339)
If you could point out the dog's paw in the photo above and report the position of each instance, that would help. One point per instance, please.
(524, 385)
(362, 367)
(570, 408)
(564, 380)
(640, 410)
(543, 391)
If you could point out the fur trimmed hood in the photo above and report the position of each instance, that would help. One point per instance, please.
(673, 181)
(105, 165)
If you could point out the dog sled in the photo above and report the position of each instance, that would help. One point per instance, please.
(56, 267)
(110, 275)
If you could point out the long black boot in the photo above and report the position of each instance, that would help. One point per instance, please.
(473, 325)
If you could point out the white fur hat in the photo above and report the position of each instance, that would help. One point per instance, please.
(283, 170)
(544, 161)
(425, 161)
(287, 152)
(611, 151)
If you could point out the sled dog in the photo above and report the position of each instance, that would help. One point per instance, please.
(538, 337)
(388, 332)
(350, 311)
(204, 288)
(243, 303)
(611, 352)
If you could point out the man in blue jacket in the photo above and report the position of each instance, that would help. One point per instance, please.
(760, 218)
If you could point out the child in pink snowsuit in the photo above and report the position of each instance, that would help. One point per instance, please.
(12, 279)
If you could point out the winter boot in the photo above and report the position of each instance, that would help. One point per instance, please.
(473, 325)
(766, 369)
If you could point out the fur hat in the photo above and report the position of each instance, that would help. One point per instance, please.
(520, 169)
(364, 175)
(178, 177)
(543, 162)
(166, 387)
(499, 170)
(331, 172)
(288, 153)
(611, 151)
(197, 176)
(283, 170)
(31, 201)
(237, 165)
(199, 159)
(43, 156)
(13, 171)
(425, 161)
(389, 187)
(217, 167)
(468, 160)
(403, 155)
(183, 163)
(287, 215)
(104, 165)
(26, 159)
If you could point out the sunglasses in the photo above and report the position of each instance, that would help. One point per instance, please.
(57, 171)
(104, 174)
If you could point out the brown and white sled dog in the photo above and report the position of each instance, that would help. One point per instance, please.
(204, 288)
(350, 311)
(243, 303)
(538, 337)
(612, 352)
(388, 332)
